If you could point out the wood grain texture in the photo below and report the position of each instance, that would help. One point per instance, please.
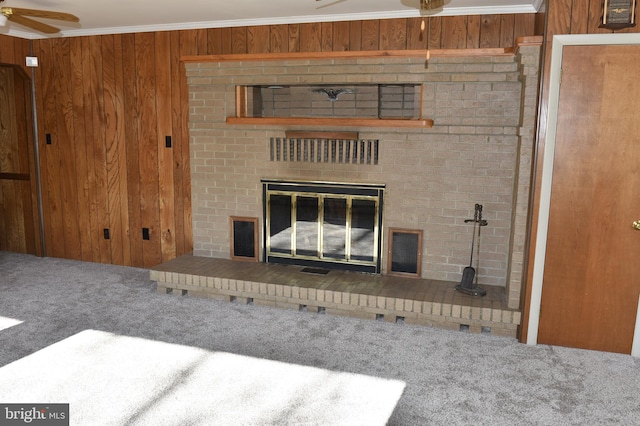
(370, 35)
(114, 175)
(311, 37)
(341, 36)
(132, 142)
(111, 100)
(148, 148)
(590, 293)
(65, 149)
(165, 154)
(278, 38)
(258, 39)
(454, 32)
(560, 19)
(490, 30)
(14, 173)
(473, 32)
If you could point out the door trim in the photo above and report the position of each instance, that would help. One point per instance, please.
(559, 41)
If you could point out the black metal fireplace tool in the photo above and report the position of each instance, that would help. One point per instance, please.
(467, 285)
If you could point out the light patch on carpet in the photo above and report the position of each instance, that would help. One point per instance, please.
(6, 322)
(110, 379)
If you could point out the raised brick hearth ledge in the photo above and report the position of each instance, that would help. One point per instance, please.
(368, 296)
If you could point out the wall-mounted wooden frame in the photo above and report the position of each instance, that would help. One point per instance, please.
(243, 241)
(404, 256)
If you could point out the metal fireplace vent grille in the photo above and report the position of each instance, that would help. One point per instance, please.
(324, 150)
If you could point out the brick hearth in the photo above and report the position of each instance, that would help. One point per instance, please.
(368, 296)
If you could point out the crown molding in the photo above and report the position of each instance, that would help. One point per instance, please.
(409, 13)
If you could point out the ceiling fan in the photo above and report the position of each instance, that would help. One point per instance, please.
(22, 17)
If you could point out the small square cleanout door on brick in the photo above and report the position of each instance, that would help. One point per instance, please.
(331, 225)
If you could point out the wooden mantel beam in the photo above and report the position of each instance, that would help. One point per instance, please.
(521, 41)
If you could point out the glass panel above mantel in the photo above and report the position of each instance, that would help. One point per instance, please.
(399, 101)
(373, 105)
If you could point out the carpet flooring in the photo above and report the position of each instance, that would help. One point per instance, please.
(101, 339)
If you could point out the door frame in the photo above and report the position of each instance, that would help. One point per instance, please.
(559, 41)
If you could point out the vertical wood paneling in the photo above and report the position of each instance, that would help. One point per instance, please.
(165, 155)
(473, 32)
(89, 178)
(8, 50)
(202, 40)
(121, 153)
(24, 127)
(393, 34)
(490, 31)
(523, 25)
(370, 35)
(326, 36)
(434, 28)
(12, 226)
(66, 149)
(239, 40)
(355, 36)
(454, 32)
(100, 205)
(311, 37)
(179, 141)
(258, 39)
(278, 38)
(148, 149)
(9, 148)
(507, 24)
(82, 172)
(49, 154)
(13, 51)
(294, 37)
(131, 130)
(341, 40)
(559, 17)
(183, 167)
(219, 41)
(580, 17)
(416, 38)
(116, 174)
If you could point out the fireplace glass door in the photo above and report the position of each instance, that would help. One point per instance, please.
(323, 226)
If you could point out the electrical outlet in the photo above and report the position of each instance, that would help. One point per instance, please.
(167, 141)
(145, 234)
(32, 61)
(106, 233)
(48, 138)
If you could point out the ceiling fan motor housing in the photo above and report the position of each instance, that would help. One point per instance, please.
(431, 4)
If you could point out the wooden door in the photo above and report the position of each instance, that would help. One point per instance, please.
(18, 223)
(591, 278)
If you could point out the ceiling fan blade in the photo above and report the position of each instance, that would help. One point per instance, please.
(27, 22)
(49, 14)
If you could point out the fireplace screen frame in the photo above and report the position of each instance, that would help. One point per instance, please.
(364, 194)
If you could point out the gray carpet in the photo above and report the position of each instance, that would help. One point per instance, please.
(60, 317)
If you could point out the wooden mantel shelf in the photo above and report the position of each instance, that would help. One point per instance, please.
(329, 122)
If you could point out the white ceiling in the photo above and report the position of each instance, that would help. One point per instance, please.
(124, 16)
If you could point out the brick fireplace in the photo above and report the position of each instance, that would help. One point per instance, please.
(479, 150)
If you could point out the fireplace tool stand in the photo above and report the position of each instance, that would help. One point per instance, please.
(467, 285)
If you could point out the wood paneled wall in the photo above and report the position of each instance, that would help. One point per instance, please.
(17, 226)
(110, 102)
(13, 51)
